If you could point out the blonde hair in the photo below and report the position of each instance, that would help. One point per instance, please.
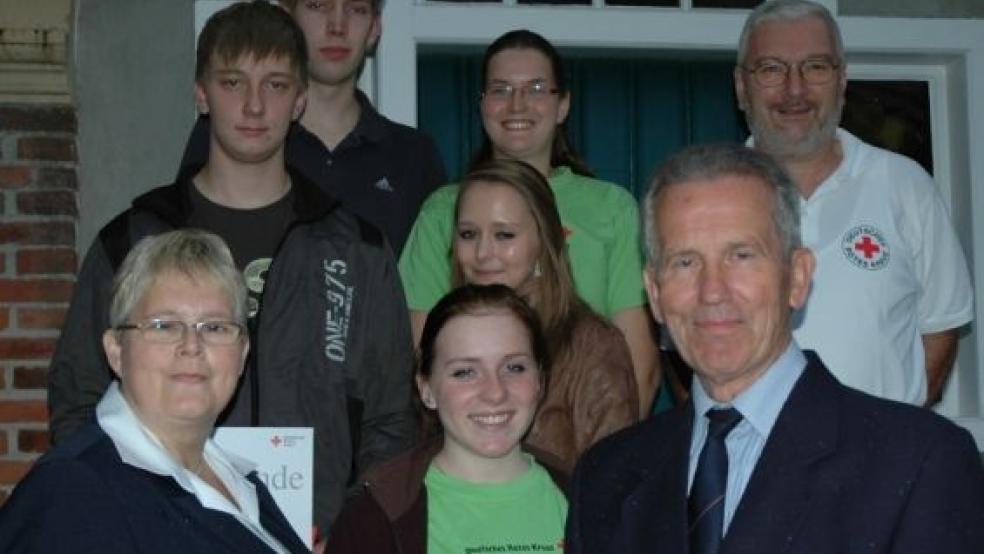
(554, 296)
(191, 252)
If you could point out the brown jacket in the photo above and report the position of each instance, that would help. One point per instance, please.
(389, 515)
(591, 392)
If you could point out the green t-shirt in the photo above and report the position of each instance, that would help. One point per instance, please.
(602, 224)
(526, 514)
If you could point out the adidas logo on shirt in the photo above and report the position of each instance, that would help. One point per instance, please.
(384, 184)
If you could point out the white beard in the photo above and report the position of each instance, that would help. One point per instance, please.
(777, 145)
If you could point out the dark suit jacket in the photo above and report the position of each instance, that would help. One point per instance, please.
(81, 497)
(841, 471)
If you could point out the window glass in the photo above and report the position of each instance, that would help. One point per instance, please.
(747, 4)
(660, 3)
(557, 2)
(893, 115)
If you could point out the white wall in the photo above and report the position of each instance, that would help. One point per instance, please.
(133, 87)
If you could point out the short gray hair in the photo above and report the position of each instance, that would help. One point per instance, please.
(711, 161)
(192, 252)
(789, 10)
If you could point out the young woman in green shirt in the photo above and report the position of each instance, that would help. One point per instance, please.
(472, 487)
(524, 104)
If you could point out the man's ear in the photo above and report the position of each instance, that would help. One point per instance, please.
(375, 33)
(842, 80)
(299, 104)
(652, 291)
(800, 276)
(739, 79)
(114, 351)
(201, 98)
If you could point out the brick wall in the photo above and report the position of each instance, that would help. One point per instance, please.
(38, 214)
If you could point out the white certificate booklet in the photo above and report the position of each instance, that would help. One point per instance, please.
(284, 457)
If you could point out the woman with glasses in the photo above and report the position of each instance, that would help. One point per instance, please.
(472, 487)
(524, 105)
(144, 476)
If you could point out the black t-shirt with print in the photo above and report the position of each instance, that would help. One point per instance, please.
(253, 235)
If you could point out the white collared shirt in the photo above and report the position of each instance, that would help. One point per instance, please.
(139, 447)
(889, 269)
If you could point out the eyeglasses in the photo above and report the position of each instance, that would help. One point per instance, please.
(532, 91)
(772, 73)
(169, 331)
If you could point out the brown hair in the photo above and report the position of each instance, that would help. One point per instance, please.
(475, 300)
(561, 152)
(554, 297)
(256, 28)
(193, 253)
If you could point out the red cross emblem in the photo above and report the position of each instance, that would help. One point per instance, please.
(276, 440)
(867, 247)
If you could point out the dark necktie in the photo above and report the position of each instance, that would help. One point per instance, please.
(706, 505)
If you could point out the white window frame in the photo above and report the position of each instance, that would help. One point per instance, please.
(940, 78)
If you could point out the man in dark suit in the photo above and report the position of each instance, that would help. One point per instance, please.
(771, 454)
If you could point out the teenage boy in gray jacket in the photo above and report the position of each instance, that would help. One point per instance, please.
(328, 323)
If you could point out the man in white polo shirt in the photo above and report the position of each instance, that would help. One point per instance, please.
(891, 286)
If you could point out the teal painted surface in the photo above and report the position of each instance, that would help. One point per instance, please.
(627, 114)
(447, 106)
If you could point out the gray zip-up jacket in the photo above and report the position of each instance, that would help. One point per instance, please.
(331, 345)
